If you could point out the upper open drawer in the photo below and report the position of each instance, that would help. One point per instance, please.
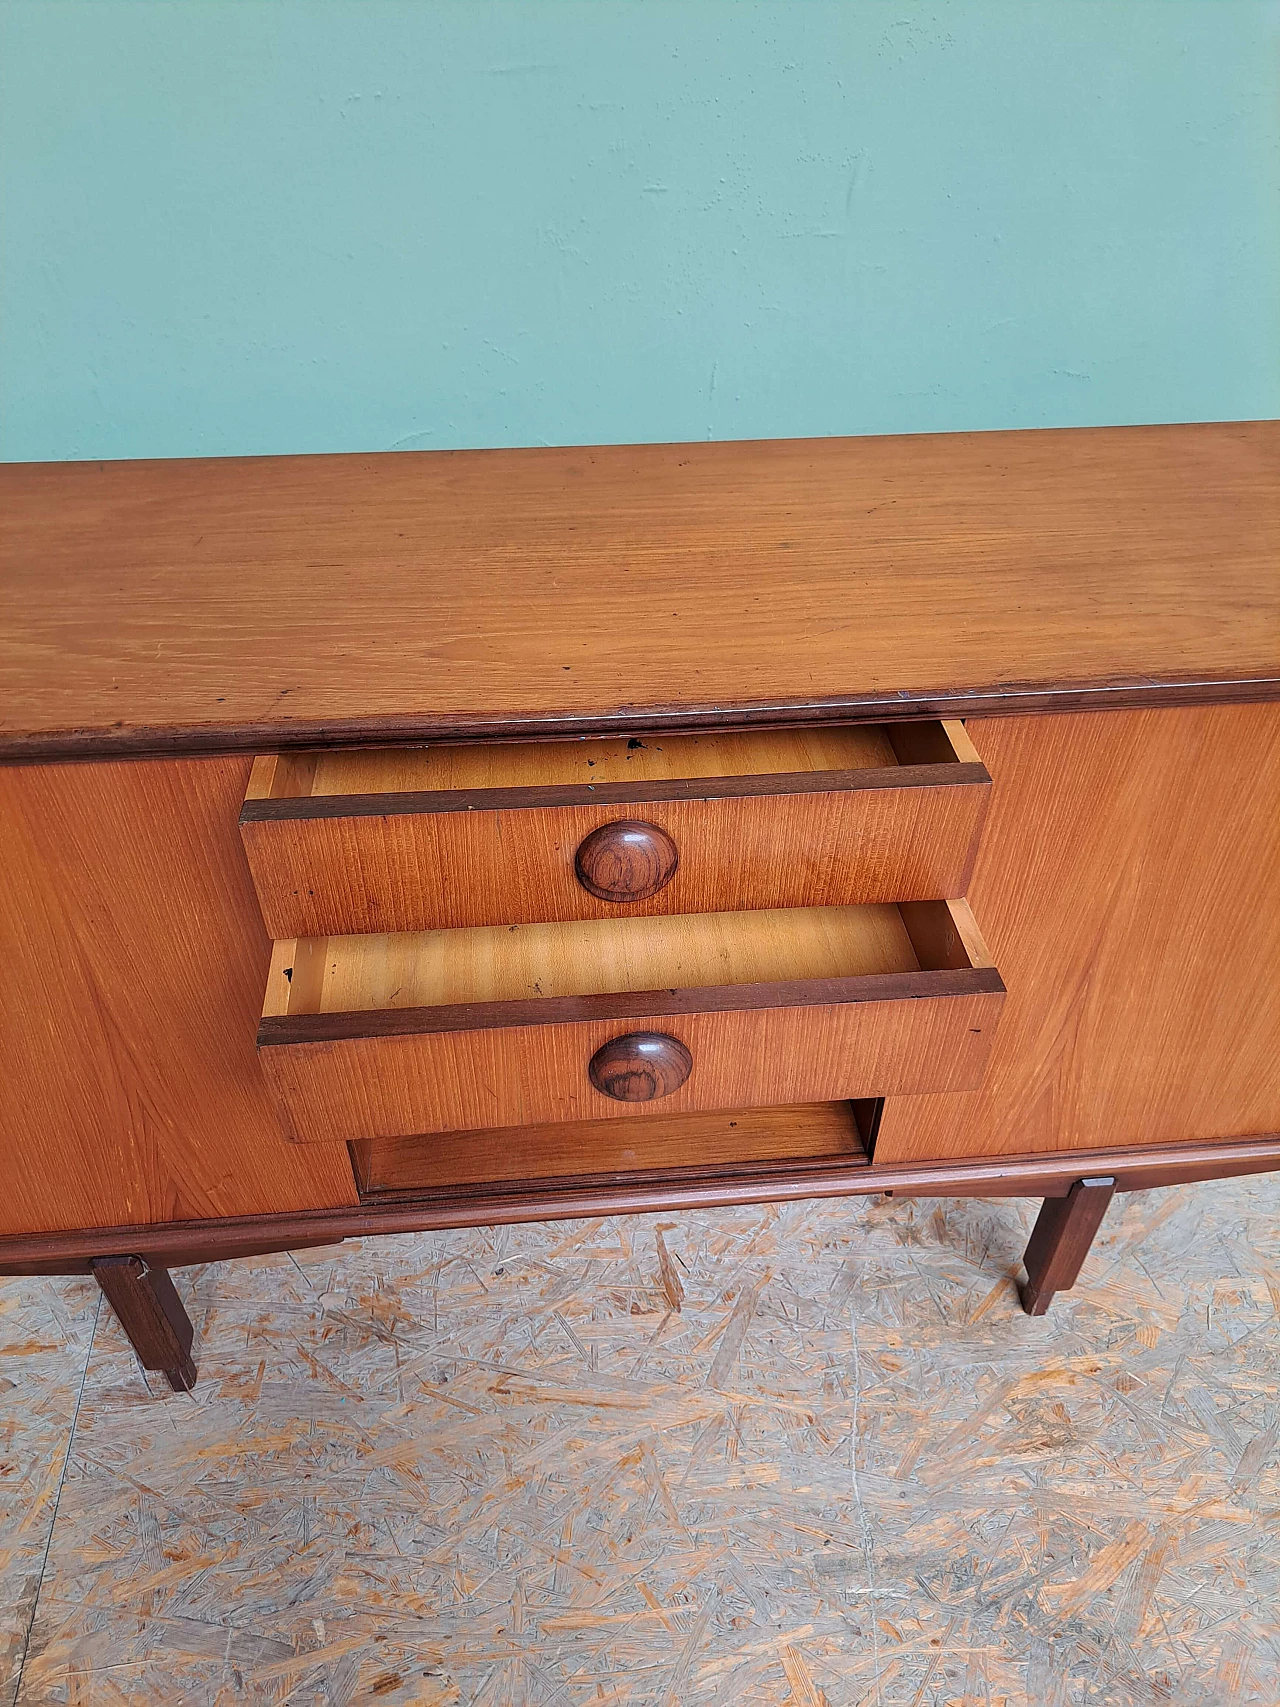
(423, 838)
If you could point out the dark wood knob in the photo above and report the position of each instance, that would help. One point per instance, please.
(626, 861)
(640, 1067)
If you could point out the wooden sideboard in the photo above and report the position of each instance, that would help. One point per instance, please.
(420, 840)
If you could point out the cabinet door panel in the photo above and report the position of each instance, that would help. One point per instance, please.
(129, 1090)
(1128, 885)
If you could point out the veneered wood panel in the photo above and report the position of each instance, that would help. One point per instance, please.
(381, 1036)
(422, 868)
(738, 1138)
(257, 602)
(132, 959)
(1129, 887)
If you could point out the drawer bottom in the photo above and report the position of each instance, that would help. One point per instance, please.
(740, 1144)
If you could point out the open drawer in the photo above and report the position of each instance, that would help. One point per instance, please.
(385, 1036)
(597, 1166)
(424, 838)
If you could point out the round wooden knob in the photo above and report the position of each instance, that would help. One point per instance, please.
(626, 861)
(640, 1067)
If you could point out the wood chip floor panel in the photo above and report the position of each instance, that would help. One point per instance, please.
(810, 1454)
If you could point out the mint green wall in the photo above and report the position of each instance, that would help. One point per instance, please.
(302, 225)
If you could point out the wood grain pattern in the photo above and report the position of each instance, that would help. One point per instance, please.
(186, 1252)
(741, 1138)
(383, 1036)
(133, 960)
(384, 1086)
(351, 863)
(443, 767)
(503, 1204)
(628, 1008)
(308, 601)
(289, 808)
(629, 860)
(1128, 886)
(640, 1066)
(429, 871)
(507, 963)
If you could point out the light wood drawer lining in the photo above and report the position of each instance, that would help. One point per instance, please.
(506, 963)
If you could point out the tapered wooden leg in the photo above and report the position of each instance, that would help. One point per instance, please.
(1060, 1241)
(152, 1315)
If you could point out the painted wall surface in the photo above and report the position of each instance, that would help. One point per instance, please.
(302, 225)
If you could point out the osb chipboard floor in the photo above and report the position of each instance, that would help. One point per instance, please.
(811, 1454)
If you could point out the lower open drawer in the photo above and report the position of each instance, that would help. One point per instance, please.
(504, 1026)
(698, 1151)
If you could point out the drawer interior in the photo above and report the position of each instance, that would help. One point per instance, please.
(682, 1145)
(591, 957)
(598, 760)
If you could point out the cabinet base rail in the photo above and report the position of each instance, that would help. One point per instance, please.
(131, 1263)
(171, 1244)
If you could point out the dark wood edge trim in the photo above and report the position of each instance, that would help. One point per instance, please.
(702, 788)
(630, 1006)
(995, 700)
(867, 1115)
(1048, 1175)
(175, 1254)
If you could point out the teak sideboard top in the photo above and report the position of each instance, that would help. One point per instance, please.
(217, 606)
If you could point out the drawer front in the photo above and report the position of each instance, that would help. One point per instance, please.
(916, 1012)
(410, 860)
(339, 1087)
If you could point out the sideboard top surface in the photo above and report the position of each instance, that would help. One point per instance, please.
(214, 605)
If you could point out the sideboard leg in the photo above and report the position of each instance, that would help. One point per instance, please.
(1060, 1241)
(152, 1315)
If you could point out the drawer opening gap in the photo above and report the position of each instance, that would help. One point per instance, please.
(597, 760)
(681, 1146)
